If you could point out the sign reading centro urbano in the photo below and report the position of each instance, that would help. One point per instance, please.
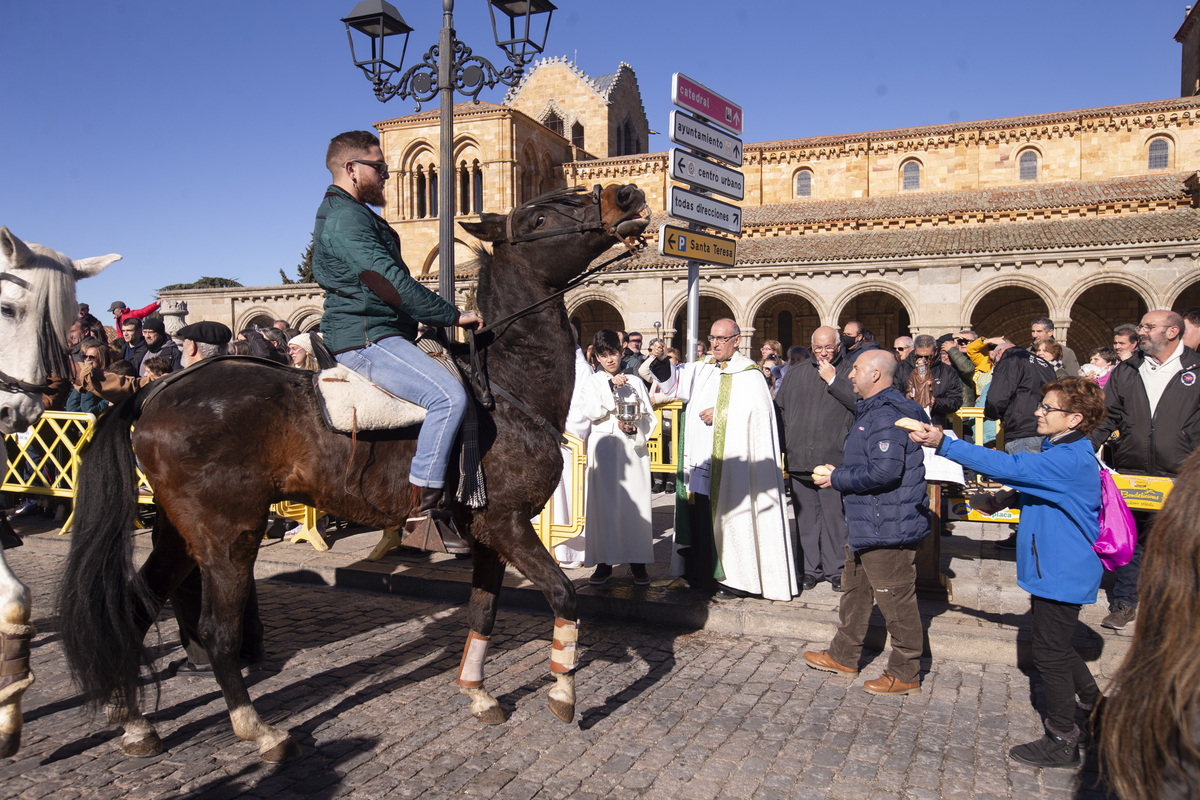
(699, 99)
(691, 132)
(682, 243)
(705, 210)
(701, 173)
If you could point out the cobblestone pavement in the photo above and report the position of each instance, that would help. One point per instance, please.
(365, 683)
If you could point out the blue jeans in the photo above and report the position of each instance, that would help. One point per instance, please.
(1026, 444)
(401, 368)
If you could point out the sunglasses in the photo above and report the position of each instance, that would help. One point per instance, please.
(379, 166)
(962, 341)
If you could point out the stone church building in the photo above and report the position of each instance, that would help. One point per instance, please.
(1088, 216)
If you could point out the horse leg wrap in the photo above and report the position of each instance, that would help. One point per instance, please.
(564, 656)
(15, 676)
(470, 669)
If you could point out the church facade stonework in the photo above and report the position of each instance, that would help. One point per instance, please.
(1088, 217)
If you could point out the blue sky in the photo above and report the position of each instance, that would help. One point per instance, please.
(189, 137)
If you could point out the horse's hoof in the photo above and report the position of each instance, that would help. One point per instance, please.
(9, 743)
(145, 747)
(564, 711)
(492, 716)
(286, 750)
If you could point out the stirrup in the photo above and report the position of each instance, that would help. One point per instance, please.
(435, 536)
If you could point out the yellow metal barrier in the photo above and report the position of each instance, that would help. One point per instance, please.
(1140, 491)
(45, 461)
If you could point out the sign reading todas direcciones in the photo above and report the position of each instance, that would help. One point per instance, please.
(705, 210)
(696, 246)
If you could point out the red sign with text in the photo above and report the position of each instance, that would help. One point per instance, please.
(699, 99)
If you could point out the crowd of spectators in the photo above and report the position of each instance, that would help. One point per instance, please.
(831, 409)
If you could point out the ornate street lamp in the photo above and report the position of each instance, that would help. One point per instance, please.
(445, 67)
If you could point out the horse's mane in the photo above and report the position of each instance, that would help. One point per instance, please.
(51, 279)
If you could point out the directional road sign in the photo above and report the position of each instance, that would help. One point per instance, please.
(705, 210)
(690, 132)
(703, 174)
(699, 99)
(682, 243)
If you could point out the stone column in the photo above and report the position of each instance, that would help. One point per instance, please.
(174, 314)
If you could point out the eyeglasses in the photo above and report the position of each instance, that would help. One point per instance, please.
(1145, 327)
(379, 166)
(719, 339)
(824, 348)
(962, 341)
(1045, 409)
(635, 341)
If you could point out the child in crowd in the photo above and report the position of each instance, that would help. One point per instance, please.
(617, 530)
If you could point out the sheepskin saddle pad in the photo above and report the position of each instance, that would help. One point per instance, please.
(351, 402)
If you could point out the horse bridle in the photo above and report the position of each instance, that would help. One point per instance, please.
(479, 379)
(543, 200)
(17, 386)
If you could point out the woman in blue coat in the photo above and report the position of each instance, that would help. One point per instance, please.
(1060, 520)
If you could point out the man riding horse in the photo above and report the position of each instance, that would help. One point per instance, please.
(372, 308)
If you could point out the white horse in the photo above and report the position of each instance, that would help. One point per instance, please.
(37, 307)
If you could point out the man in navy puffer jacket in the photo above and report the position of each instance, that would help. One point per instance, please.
(883, 479)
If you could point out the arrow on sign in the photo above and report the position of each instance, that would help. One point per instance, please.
(671, 240)
(737, 153)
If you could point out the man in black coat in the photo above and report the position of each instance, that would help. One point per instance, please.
(815, 401)
(1015, 391)
(1153, 399)
(922, 376)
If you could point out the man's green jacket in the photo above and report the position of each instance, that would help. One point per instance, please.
(349, 239)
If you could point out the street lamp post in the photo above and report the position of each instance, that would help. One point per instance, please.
(445, 67)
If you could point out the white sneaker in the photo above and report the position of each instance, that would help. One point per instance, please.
(570, 564)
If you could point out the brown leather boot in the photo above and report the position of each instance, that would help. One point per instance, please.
(431, 528)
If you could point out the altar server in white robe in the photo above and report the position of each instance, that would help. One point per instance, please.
(617, 529)
(570, 553)
(732, 530)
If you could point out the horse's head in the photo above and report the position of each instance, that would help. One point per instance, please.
(37, 307)
(564, 230)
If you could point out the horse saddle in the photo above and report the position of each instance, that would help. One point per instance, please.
(350, 402)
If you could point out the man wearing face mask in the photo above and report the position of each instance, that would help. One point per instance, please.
(923, 377)
(855, 340)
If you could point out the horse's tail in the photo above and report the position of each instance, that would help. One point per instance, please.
(103, 601)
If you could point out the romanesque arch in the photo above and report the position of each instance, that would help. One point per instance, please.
(306, 318)
(1008, 310)
(1101, 303)
(788, 313)
(1035, 287)
(254, 317)
(884, 309)
(714, 305)
(1183, 293)
(596, 312)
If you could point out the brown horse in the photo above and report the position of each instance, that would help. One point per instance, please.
(224, 442)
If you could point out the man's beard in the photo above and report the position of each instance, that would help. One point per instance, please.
(371, 194)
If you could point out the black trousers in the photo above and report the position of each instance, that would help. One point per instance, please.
(1064, 673)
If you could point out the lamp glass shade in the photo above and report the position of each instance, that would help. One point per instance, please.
(528, 25)
(376, 20)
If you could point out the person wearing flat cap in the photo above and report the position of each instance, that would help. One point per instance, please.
(159, 344)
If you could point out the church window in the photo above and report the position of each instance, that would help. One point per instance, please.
(577, 135)
(1028, 165)
(912, 175)
(1160, 153)
(433, 193)
(477, 189)
(627, 139)
(804, 183)
(554, 122)
(464, 189)
(422, 206)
